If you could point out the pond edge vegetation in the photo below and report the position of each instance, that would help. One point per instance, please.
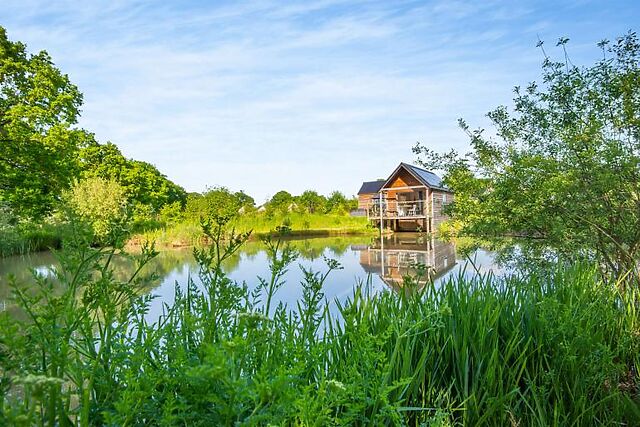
(560, 348)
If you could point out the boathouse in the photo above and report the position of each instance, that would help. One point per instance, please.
(410, 199)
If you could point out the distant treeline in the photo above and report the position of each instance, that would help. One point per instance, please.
(222, 201)
(50, 167)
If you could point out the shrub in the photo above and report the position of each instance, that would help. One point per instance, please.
(101, 204)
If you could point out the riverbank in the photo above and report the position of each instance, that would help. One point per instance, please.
(36, 238)
(556, 348)
(21, 240)
(185, 234)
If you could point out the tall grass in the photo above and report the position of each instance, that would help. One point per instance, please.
(189, 233)
(33, 238)
(552, 349)
(302, 222)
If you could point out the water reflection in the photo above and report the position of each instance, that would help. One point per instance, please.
(380, 264)
(399, 255)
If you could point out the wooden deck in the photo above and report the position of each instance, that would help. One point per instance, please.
(411, 198)
(398, 210)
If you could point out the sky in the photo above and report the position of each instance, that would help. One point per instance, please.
(268, 95)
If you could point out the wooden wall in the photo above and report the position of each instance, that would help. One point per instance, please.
(438, 202)
(401, 179)
(364, 200)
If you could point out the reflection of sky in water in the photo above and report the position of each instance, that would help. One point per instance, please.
(338, 286)
(45, 270)
(357, 257)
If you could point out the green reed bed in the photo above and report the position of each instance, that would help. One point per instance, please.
(188, 233)
(29, 238)
(559, 348)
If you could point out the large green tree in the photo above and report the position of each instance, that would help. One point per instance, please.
(146, 188)
(311, 202)
(338, 203)
(39, 108)
(281, 202)
(216, 202)
(563, 166)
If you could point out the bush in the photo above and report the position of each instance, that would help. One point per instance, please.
(102, 205)
(16, 238)
(172, 213)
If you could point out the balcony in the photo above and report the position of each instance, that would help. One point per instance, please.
(398, 210)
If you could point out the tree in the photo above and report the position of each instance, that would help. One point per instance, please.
(336, 203)
(217, 202)
(563, 167)
(101, 204)
(245, 200)
(146, 188)
(280, 202)
(311, 202)
(39, 107)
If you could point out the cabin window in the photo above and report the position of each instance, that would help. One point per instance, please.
(444, 198)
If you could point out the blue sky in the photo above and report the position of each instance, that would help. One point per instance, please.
(319, 94)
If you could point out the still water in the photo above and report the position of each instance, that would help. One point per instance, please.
(363, 259)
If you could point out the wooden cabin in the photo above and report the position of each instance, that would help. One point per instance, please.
(369, 191)
(411, 199)
(399, 254)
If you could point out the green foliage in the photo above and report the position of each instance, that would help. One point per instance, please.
(311, 202)
(38, 144)
(147, 190)
(43, 152)
(336, 203)
(9, 238)
(172, 213)
(559, 348)
(281, 203)
(564, 166)
(218, 201)
(102, 205)
(245, 200)
(20, 238)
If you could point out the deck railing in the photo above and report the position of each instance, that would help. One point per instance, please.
(395, 209)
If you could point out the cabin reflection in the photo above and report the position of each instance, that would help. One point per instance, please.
(397, 256)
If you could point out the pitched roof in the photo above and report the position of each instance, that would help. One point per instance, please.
(427, 177)
(371, 187)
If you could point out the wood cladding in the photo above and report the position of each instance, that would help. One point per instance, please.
(413, 199)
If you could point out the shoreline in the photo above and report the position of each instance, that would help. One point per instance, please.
(181, 243)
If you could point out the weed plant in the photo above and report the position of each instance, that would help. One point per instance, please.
(559, 348)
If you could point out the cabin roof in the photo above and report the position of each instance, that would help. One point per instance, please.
(427, 177)
(371, 187)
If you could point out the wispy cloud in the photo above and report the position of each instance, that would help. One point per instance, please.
(320, 94)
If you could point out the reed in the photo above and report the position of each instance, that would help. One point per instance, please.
(559, 348)
(188, 233)
(32, 238)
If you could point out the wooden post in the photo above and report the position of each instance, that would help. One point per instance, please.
(431, 216)
(381, 216)
(381, 237)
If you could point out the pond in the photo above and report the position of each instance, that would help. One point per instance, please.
(364, 259)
